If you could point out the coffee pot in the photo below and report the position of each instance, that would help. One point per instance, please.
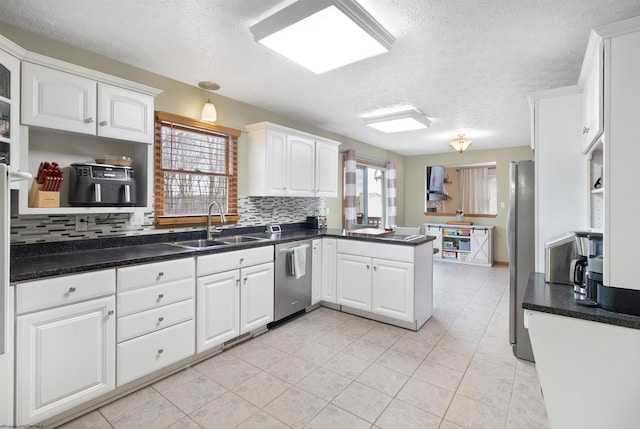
(586, 270)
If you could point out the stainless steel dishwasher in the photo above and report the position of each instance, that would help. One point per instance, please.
(292, 294)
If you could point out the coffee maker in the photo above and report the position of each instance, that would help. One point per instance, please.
(586, 269)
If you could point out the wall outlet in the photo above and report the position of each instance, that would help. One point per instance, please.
(136, 219)
(82, 223)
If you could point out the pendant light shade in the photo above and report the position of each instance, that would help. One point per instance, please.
(209, 113)
(460, 144)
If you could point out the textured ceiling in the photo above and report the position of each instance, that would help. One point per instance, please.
(467, 64)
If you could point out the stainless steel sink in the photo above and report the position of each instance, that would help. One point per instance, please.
(198, 244)
(237, 239)
(220, 241)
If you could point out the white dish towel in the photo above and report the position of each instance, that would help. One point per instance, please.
(299, 255)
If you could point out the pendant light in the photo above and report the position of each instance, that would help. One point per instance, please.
(209, 113)
(460, 144)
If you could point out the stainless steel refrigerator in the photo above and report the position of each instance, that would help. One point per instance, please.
(521, 248)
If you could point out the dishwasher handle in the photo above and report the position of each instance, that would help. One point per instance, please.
(290, 249)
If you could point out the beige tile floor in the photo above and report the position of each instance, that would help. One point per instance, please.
(327, 369)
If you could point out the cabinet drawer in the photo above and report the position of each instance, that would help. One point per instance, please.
(53, 292)
(148, 321)
(217, 263)
(155, 296)
(395, 252)
(148, 353)
(155, 273)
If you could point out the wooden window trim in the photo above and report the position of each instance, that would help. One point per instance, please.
(161, 221)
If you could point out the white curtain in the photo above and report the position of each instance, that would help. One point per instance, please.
(349, 158)
(390, 180)
(474, 190)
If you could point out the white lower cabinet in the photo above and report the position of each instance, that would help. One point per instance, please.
(316, 270)
(155, 317)
(218, 309)
(354, 281)
(392, 289)
(380, 286)
(147, 353)
(234, 295)
(65, 357)
(397, 291)
(328, 277)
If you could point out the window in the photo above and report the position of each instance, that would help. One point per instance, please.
(370, 194)
(195, 163)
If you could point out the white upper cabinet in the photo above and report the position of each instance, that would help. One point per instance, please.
(286, 162)
(327, 169)
(301, 160)
(124, 114)
(65, 101)
(55, 99)
(591, 82)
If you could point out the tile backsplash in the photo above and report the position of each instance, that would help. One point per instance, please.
(253, 211)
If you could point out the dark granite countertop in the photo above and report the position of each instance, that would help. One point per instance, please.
(40, 260)
(559, 299)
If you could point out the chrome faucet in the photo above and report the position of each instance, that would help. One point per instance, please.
(222, 219)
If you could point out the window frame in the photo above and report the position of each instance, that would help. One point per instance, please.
(230, 134)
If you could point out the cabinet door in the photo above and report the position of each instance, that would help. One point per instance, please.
(593, 98)
(65, 356)
(277, 161)
(218, 304)
(256, 297)
(328, 288)
(124, 114)
(59, 100)
(316, 271)
(10, 105)
(301, 157)
(481, 245)
(327, 169)
(392, 289)
(354, 281)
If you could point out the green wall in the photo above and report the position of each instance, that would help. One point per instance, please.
(414, 192)
(187, 100)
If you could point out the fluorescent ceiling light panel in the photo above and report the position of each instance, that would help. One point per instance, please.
(407, 120)
(323, 35)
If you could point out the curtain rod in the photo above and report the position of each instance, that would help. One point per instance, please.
(367, 158)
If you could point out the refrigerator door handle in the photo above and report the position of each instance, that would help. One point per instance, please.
(511, 248)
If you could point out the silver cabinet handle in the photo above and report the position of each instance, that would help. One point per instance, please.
(103, 123)
(160, 319)
(161, 273)
(88, 120)
(238, 282)
(245, 280)
(241, 260)
(72, 289)
(367, 266)
(585, 130)
(161, 296)
(375, 268)
(160, 351)
(110, 312)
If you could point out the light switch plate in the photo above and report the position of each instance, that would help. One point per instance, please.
(136, 219)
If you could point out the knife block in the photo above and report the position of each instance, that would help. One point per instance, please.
(44, 199)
